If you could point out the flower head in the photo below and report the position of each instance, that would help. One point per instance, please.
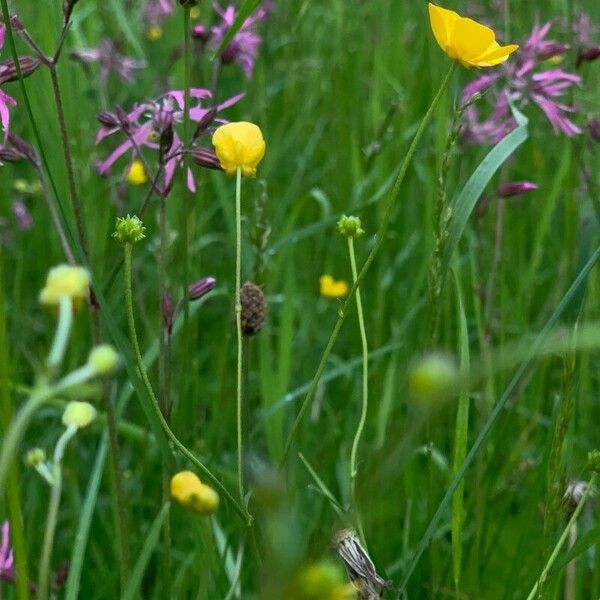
(350, 226)
(191, 493)
(78, 414)
(103, 359)
(243, 48)
(522, 81)
(239, 145)
(465, 40)
(330, 288)
(150, 125)
(137, 174)
(129, 230)
(66, 280)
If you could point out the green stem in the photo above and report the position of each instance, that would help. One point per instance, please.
(389, 209)
(61, 337)
(51, 520)
(238, 323)
(563, 538)
(365, 390)
(154, 402)
(13, 489)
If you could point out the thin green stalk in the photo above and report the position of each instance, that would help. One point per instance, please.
(13, 489)
(163, 390)
(365, 390)
(154, 402)
(387, 217)
(63, 330)
(186, 140)
(51, 520)
(238, 324)
(563, 538)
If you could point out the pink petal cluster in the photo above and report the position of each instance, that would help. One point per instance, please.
(524, 80)
(144, 123)
(243, 48)
(155, 11)
(109, 59)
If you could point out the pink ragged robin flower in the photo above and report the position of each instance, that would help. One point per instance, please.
(524, 80)
(6, 101)
(151, 125)
(7, 566)
(108, 59)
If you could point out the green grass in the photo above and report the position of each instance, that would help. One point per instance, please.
(520, 316)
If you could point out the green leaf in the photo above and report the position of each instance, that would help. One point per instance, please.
(471, 192)
(150, 542)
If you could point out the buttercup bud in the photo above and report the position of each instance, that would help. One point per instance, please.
(433, 379)
(79, 414)
(35, 457)
(103, 359)
(129, 230)
(191, 493)
(350, 227)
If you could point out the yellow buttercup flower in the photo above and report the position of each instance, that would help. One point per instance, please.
(137, 174)
(465, 40)
(66, 280)
(239, 145)
(78, 414)
(330, 288)
(191, 493)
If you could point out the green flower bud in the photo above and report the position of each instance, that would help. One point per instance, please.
(103, 359)
(433, 379)
(79, 414)
(129, 230)
(35, 457)
(350, 226)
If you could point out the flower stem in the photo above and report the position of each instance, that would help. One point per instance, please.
(61, 337)
(154, 402)
(389, 209)
(563, 538)
(365, 389)
(51, 520)
(238, 324)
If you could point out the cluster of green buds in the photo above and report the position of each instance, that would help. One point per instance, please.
(129, 230)
(350, 226)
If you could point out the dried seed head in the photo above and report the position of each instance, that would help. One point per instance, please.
(254, 308)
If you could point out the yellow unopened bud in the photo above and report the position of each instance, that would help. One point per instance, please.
(191, 493)
(103, 359)
(239, 145)
(137, 174)
(154, 33)
(66, 280)
(79, 414)
(433, 379)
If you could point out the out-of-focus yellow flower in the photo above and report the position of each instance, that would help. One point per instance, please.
(330, 288)
(66, 280)
(320, 581)
(465, 40)
(103, 359)
(154, 33)
(240, 145)
(79, 414)
(195, 12)
(191, 493)
(137, 174)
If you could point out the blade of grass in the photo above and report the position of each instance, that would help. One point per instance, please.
(150, 543)
(461, 434)
(471, 192)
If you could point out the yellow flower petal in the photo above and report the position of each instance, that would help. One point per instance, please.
(330, 288)
(137, 174)
(466, 40)
(239, 145)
